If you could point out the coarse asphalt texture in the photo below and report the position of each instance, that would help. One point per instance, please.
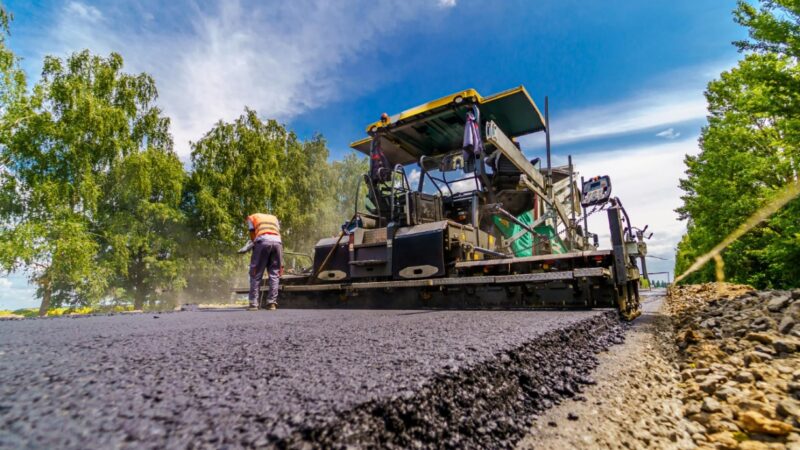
(291, 378)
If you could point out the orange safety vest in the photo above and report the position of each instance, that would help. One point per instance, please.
(264, 224)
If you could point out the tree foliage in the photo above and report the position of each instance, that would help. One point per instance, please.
(749, 151)
(71, 178)
(13, 84)
(95, 206)
(250, 165)
(347, 173)
(142, 225)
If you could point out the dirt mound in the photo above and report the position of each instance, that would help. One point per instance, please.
(740, 364)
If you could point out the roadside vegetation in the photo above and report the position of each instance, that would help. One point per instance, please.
(99, 212)
(750, 150)
(64, 311)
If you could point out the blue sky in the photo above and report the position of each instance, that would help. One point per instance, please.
(625, 78)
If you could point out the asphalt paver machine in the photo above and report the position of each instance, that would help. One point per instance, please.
(452, 214)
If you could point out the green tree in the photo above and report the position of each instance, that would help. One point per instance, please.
(13, 84)
(250, 165)
(141, 221)
(749, 151)
(235, 172)
(86, 127)
(348, 172)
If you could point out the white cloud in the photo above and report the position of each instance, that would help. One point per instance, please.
(413, 177)
(281, 59)
(83, 11)
(646, 181)
(677, 97)
(669, 133)
(15, 292)
(644, 177)
(649, 110)
(447, 3)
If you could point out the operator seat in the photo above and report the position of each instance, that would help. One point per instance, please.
(505, 173)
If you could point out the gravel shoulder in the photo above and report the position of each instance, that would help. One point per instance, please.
(740, 365)
(635, 402)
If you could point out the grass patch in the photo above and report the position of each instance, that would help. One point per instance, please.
(66, 311)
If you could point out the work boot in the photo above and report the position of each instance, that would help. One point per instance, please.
(252, 307)
(272, 306)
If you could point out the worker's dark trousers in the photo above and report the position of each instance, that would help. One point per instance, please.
(267, 254)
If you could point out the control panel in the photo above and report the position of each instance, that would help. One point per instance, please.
(596, 191)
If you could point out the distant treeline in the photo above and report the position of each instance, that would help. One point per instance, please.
(658, 284)
(750, 151)
(96, 207)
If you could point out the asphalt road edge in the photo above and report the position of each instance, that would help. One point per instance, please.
(491, 404)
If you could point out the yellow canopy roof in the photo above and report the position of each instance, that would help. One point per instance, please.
(437, 127)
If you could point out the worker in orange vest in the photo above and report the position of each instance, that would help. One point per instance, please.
(265, 241)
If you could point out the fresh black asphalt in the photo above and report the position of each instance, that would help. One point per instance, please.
(290, 378)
